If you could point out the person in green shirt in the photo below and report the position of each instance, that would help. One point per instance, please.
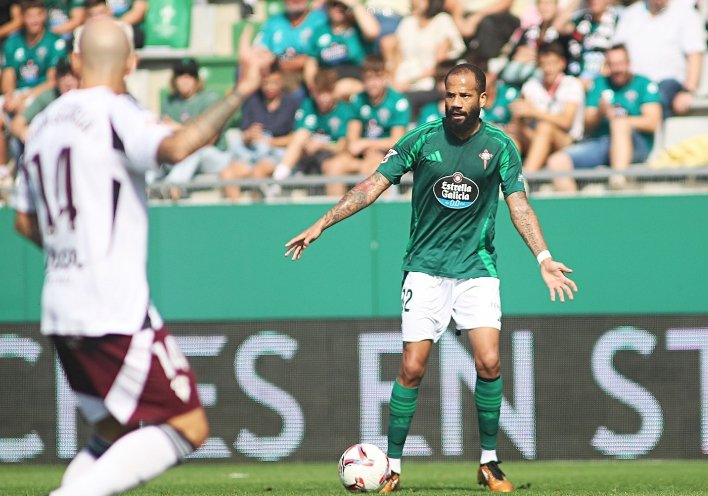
(188, 99)
(320, 131)
(381, 115)
(341, 44)
(131, 12)
(64, 16)
(30, 58)
(459, 164)
(622, 113)
(67, 80)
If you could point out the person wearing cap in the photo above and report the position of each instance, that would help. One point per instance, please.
(187, 99)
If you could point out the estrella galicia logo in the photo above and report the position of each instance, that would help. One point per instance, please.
(456, 191)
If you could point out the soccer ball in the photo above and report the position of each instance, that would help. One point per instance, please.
(363, 468)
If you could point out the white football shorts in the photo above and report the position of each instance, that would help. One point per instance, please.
(428, 303)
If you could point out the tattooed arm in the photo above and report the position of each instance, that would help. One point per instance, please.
(359, 197)
(203, 128)
(526, 223)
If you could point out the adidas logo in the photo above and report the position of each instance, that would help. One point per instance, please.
(434, 157)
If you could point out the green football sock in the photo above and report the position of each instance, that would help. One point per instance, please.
(402, 407)
(488, 398)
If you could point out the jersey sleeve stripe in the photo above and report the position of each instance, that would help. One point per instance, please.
(419, 130)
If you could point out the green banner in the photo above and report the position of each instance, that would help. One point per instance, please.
(631, 255)
(167, 23)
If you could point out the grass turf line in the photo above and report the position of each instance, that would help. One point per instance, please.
(618, 478)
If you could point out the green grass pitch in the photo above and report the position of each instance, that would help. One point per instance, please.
(619, 478)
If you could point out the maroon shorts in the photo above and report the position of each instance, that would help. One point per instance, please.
(136, 378)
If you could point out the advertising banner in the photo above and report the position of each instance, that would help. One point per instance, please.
(574, 388)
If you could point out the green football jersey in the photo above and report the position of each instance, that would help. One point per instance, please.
(393, 110)
(499, 112)
(31, 63)
(455, 196)
(59, 11)
(430, 112)
(332, 125)
(629, 99)
(331, 49)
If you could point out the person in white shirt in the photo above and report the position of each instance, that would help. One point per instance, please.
(549, 114)
(666, 41)
(81, 197)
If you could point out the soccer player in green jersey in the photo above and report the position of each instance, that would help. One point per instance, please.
(459, 163)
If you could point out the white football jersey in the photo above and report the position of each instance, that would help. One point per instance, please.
(84, 176)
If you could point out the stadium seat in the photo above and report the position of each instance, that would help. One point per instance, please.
(677, 129)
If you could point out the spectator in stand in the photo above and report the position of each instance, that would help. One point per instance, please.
(131, 12)
(187, 99)
(388, 13)
(380, 117)
(549, 114)
(432, 111)
(10, 19)
(97, 8)
(591, 32)
(287, 37)
(320, 131)
(341, 44)
(500, 97)
(423, 40)
(485, 25)
(64, 16)
(526, 40)
(666, 41)
(266, 129)
(30, 56)
(623, 111)
(496, 110)
(66, 81)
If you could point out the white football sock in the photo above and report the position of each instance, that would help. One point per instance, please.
(488, 456)
(83, 460)
(395, 465)
(135, 458)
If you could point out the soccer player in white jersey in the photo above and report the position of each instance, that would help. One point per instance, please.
(81, 197)
(459, 164)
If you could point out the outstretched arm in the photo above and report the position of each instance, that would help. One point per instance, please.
(525, 221)
(201, 130)
(27, 225)
(359, 197)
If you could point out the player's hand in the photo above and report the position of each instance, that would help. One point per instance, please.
(357, 147)
(253, 70)
(297, 245)
(554, 275)
(682, 102)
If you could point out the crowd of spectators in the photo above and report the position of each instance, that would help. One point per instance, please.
(35, 39)
(575, 83)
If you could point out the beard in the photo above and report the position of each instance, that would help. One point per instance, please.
(470, 121)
